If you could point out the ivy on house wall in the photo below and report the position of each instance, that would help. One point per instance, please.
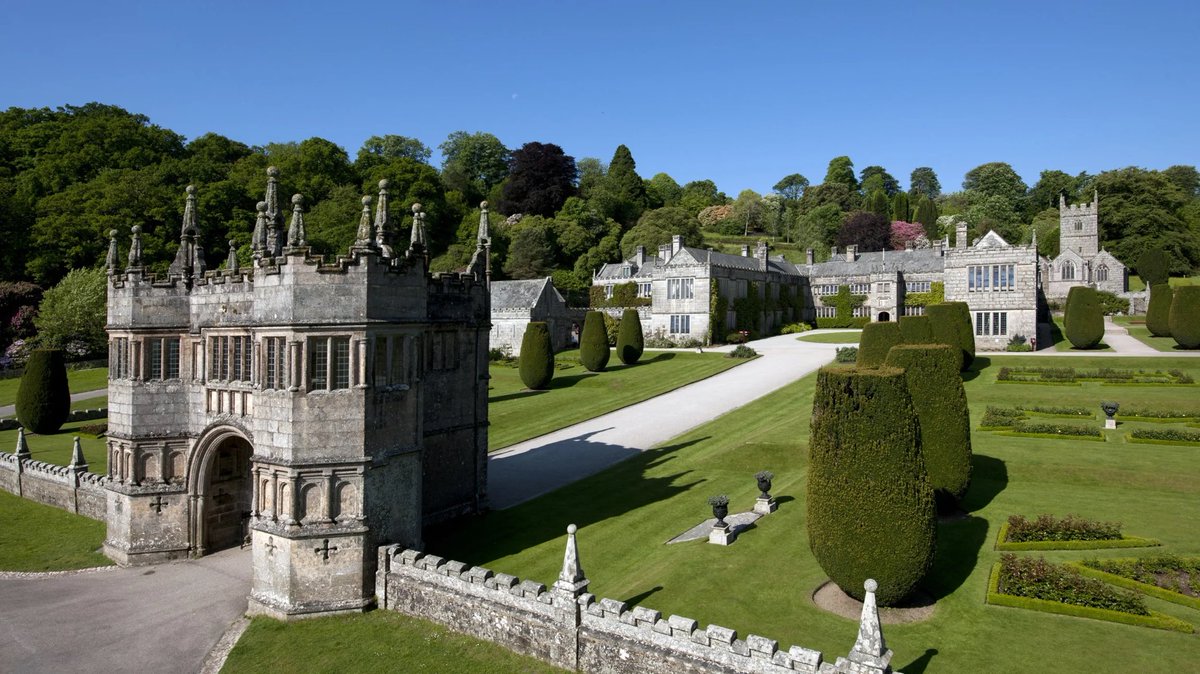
(936, 295)
(624, 295)
(748, 310)
(717, 306)
(844, 302)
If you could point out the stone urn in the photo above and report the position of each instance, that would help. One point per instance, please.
(764, 478)
(1110, 409)
(720, 508)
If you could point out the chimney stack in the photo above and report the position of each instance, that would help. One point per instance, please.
(960, 235)
(676, 243)
(745, 250)
(664, 252)
(641, 256)
(760, 252)
(851, 253)
(808, 256)
(832, 252)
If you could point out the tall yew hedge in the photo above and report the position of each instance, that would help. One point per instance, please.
(916, 330)
(593, 343)
(870, 507)
(940, 401)
(537, 356)
(1185, 317)
(950, 323)
(630, 342)
(877, 339)
(1158, 313)
(1084, 318)
(44, 397)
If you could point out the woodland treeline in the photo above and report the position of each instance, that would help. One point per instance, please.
(69, 175)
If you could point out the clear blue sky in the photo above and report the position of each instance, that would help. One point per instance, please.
(742, 93)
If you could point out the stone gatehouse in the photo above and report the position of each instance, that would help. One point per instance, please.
(313, 409)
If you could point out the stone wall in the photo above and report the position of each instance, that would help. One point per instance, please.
(73, 490)
(577, 631)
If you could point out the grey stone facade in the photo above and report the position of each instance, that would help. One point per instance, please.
(1080, 259)
(313, 409)
(516, 303)
(999, 282)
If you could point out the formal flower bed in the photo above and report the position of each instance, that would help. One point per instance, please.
(1000, 418)
(1072, 412)
(1105, 375)
(1044, 429)
(1170, 577)
(1166, 435)
(1046, 532)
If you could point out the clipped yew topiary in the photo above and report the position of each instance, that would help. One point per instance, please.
(940, 400)
(870, 507)
(915, 330)
(593, 343)
(950, 323)
(1185, 317)
(1158, 313)
(877, 339)
(44, 398)
(630, 342)
(537, 356)
(1084, 319)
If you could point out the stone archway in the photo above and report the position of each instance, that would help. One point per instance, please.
(884, 317)
(220, 488)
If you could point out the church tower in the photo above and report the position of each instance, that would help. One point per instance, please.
(1078, 227)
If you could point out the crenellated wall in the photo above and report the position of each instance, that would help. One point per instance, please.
(65, 487)
(579, 632)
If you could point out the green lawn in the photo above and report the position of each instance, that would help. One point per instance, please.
(1137, 329)
(516, 413)
(67, 541)
(375, 642)
(833, 337)
(79, 380)
(1135, 281)
(56, 448)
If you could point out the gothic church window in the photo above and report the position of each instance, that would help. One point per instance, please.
(1068, 271)
(1078, 225)
(1102, 273)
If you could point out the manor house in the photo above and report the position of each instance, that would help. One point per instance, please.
(312, 409)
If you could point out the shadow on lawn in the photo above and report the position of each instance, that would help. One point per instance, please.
(514, 396)
(642, 596)
(958, 546)
(918, 666)
(989, 477)
(611, 492)
(976, 369)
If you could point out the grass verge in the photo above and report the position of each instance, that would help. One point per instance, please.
(63, 540)
(92, 379)
(56, 448)
(832, 337)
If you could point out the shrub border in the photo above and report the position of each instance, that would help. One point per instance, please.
(1147, 441)
(1155, 620)
(1124, 542)
(1136, 585)
(1055, 436)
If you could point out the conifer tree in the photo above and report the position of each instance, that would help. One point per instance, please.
(927, 215)
(630, 342)
(900, 207)
(537, 356)
(624, 190)
(44, 397)
(593, 343)
(877, 203)
(1158, 313)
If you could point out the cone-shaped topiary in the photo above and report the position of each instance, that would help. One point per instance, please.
(870, 507)
(916, 330)
(877, 339)
(1185, 317)
(593, 343)
(940, 400)
(537, 356)
(1084, 319)
(1158, 313)
(44, 398)
(630, 342)
(950, 323)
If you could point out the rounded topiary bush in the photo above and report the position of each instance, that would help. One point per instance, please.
(1185, 317)
(950, 323)
(915, 330)
(1158, 313)
(630, 342)
(1084, 319)
(940, 401)
(593, 343)
(877, 339)
(537, 356)
(44, 398)
(870, 507)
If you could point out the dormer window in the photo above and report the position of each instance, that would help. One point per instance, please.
(626, 271)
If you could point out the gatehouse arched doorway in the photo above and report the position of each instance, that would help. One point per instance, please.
(221, 492)
(884, 317)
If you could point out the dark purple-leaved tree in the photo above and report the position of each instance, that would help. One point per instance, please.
(541, 179)
(869, 231)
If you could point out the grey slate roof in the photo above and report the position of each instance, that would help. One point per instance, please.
(924, 260)
(520, 294)
(612, 270)
(731, 261)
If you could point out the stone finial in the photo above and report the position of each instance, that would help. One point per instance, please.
(417, 241)
(199, 264)
(383, 227)
(296, 237)
(869, 649)
(135, 249)
(113, 258)
(231, 264)
(22, 451)
(483, 223)
(189, 213)
(571, 580)
(363, 239)
(184, 261)
(258, 241)
(272, 196)
(78, 463)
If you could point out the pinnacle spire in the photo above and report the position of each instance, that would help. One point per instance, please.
(22, 451)
(296, 237)
(259, 239)
(184, 262)
(483, 237)
(78, 463)
(417, 241)
(364, 239)
(571, 580)
(188, 227)
(382, 224)
(870, 650)
(272, 197)
(135, 249)
(231, 264)
(113, 260)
